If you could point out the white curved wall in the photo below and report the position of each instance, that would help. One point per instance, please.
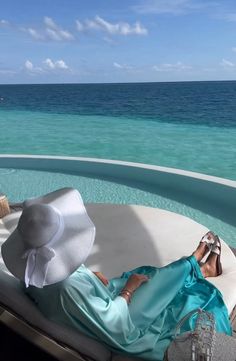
(212, 195)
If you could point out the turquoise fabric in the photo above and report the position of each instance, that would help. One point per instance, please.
(143, 328)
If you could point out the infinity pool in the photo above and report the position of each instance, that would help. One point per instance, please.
(19, 184)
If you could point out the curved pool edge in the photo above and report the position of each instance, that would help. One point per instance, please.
(196, 175)
(209, 194)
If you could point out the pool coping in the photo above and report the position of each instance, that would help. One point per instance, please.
(178, 171)
(211, 195)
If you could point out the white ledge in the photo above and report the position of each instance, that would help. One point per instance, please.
(186, 173)
(211, 195)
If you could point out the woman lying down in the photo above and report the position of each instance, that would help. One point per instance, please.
(135, 313)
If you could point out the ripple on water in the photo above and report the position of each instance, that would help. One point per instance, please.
(7, 171)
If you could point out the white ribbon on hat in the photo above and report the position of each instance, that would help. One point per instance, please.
(38, 259)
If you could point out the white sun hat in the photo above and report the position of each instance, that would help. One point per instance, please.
(53, 238)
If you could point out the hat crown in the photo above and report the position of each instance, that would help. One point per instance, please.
(43, 249)
(38, 224)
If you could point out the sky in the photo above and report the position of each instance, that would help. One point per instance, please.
(105, 41)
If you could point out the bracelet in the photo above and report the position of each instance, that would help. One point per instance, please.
(127, 293)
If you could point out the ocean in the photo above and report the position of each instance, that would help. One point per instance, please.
(186, 125)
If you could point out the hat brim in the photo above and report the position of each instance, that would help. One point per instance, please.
(73, 247)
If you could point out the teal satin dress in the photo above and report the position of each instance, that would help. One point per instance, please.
(145, 327)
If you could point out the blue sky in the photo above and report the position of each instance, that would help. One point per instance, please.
(86, 41)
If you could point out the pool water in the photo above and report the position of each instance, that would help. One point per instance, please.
(19, 184)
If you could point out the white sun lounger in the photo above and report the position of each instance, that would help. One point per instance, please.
(127, 237)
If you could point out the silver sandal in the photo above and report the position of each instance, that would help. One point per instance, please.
(210, 239)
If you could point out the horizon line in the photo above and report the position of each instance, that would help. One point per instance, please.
(134, 82)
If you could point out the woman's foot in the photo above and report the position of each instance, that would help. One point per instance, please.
(205, 245)
(212, 267)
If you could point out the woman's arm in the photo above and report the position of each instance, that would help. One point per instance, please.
(102, 278)
(134, 282)
(103, 317)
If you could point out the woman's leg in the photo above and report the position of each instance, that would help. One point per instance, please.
(209, 268)
(204, 246)
(165, 283)
(155, 295)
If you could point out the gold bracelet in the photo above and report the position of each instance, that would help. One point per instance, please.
(127, 293)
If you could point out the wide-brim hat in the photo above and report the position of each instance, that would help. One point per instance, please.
(53, 238)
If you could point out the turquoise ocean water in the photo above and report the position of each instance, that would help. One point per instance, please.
(189, 125)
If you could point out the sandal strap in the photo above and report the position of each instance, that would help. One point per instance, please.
(217, 241)
(217, 246)
(209, 241)
(216, 249)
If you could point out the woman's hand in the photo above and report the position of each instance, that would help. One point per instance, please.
(102, 278)
(135, 281)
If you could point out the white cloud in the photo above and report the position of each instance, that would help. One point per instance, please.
(59, 35)
(58, 64)
(29, 67)
(54, 32)
(79, 25)
(121, 28)
(53, 35)
(122, 66)
(49, 22)
(179, 66)
(66, 35)
(174, 7)
(48, 65)
(227, 64)
(35, 34)
(4, 22)
(116, 65)
(51, 31)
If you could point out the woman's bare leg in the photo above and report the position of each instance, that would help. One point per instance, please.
(210, 267)
(200, 251)
(213, 267)
(203, 247)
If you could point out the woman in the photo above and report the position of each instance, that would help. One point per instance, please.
(134, 314)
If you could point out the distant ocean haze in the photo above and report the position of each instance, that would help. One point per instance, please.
(189, 125)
